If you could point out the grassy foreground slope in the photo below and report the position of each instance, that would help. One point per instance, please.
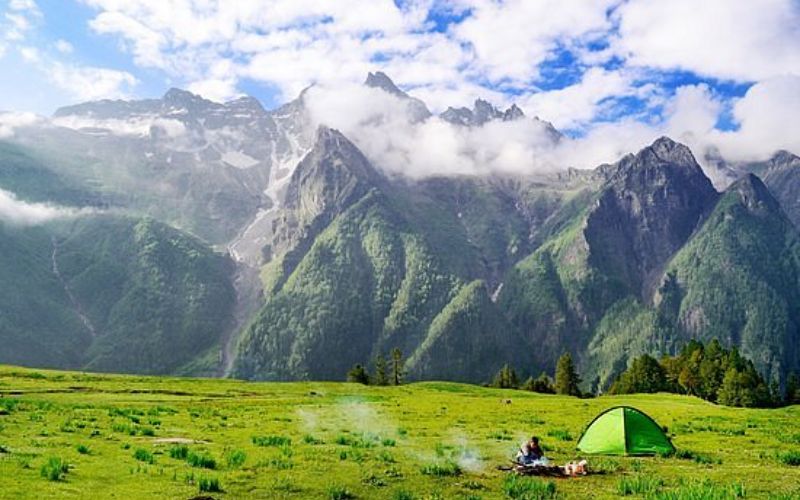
(121, 437)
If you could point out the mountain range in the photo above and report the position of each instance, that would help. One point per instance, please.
(225, 239)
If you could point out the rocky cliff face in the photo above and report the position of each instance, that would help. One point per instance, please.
(652, 203)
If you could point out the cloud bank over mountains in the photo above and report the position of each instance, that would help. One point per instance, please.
(21, 213)
(612, 75)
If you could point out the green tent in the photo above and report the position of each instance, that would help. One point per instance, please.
(623, 430)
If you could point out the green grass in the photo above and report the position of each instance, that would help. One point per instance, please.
(639, 484)
(442, 435)
(54, 469)
(790, 457)
(528, 488)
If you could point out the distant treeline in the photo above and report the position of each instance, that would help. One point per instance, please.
(710, 372)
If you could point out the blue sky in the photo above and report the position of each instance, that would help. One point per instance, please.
(581, 64)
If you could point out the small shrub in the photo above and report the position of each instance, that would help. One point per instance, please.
(526, 488)
(445, 469)
(209, 485)
(385, 457)
(143, 455)
(790, 458)
(201, 460)
(697, 457)
(82, 449)
(473, 485)
(403, 495)
(271, 440)
(54, 469)
(388, 442)
(638, 485)
(179, 451)
(309, 439)
(286, 485)
(372, 479)
(340, 493)
(236, 458)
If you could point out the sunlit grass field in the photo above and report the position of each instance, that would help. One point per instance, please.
(75, 435)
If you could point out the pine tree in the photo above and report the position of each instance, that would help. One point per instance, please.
(506, 378)
(644, 375)
(358, 374)
(730, 392)
(381, 377)
(567, 378)
(792, 396)
(543, 384)
(528, 385)
(397, 367)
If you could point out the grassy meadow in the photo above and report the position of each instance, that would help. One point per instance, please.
(76, 435)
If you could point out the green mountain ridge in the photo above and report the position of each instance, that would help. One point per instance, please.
(587, 276)
(464, 274)
(110, 293)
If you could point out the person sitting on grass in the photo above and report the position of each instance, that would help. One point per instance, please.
(530, 453)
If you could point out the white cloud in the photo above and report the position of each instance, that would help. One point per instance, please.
(64, 47)
(576, 105)
(10, 121)
(18, 212)
(87, 83)
(730, 39)
(30, 54)
(512, 38)
(380, 125)
(767, 115)
(20, 18)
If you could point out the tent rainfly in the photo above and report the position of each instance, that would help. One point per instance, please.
(623, 430)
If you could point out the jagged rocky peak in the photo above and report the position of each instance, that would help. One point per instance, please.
(481, 112)
(417, 110)
(664, 157)
(754, 194)
(246, 103)
(381, 80)
(652, 203)
(783, 157)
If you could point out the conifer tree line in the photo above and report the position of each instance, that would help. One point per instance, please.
(566, 381)
(710, 372)
(387, 371)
